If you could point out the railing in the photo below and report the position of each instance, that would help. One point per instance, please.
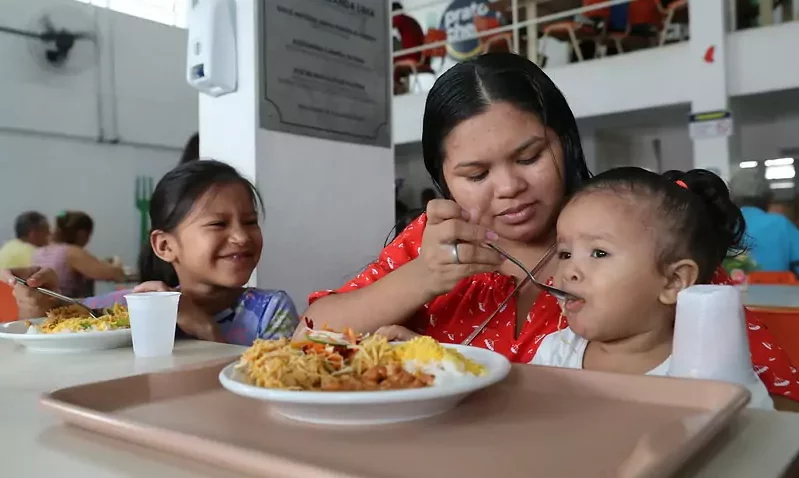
(514, 26)
(766, 13)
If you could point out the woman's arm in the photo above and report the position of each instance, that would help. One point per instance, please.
(391, 300)
(92, 267)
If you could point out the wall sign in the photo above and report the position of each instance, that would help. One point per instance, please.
(458, 22)
(711, 124)
(325, 69)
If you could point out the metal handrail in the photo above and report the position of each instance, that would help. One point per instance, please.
(515, 26)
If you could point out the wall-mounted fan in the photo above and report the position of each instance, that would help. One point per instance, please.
(62, 40)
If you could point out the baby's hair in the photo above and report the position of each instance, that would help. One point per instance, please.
(173, 199)
(69, 223)
(696, 218)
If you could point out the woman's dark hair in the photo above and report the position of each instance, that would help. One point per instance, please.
(698, 221)
(469, 88)
(174, 197)
(69, 223)
(191, 151)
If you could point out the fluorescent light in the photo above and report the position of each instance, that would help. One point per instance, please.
(747, 164)
(779, 162)
(781, 185)
(780, 172)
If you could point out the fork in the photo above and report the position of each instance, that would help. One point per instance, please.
(144, 191)
(559, 294)
(95, 313)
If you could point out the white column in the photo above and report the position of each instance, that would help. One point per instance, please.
(709, 81)
(329, 200)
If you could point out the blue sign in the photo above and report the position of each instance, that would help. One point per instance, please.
(458, 22)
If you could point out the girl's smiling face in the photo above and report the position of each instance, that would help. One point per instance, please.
(219, 242)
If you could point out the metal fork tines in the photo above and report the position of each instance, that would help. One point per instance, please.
(554, 291)
(58, 296)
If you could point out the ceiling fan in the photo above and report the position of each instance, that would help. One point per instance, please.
(61, 40)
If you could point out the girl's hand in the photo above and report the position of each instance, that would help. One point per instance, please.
(396, 332)
(32, 304)
(191, 318)
(449, 226)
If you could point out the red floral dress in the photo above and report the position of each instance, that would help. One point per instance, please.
(451, 317)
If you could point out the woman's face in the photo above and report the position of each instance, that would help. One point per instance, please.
(504, 164)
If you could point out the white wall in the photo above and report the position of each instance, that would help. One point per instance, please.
(50, 159)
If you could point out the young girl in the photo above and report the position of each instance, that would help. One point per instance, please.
(627, 244)
(204, 218)
(77, 269)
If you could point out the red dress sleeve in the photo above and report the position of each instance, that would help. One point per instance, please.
(403, 249)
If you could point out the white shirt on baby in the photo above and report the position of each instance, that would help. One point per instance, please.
(566, 349)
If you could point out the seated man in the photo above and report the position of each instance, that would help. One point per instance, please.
(772, 239)
(32, 231)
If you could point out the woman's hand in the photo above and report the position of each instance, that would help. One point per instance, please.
(396, 332)
(191, 318)
(448, 227)
(32, 303)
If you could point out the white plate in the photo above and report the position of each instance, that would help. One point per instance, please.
(371, 408)
(65, 342)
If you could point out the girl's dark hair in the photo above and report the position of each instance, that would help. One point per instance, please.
(698, 221)
(174, 197)
(469, 88)
(69, 223)
(191, 151)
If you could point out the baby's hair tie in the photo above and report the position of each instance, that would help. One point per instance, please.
(681, 183)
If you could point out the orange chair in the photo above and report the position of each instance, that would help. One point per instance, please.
(574, 31)
(773, 278)
(502, 41)
(675, 12)
(435, 35)
(405, 67)
(644, 20)
(9, 312)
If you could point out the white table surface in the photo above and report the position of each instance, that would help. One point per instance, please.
(771, 296)
(34, 443)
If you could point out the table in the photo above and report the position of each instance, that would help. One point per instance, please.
(772, 296)
(34, 443)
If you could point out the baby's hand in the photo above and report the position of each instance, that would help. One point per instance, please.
(396, 332)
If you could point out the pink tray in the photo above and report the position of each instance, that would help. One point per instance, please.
(538, 422)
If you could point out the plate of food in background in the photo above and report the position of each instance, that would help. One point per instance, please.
(71, 329)
(345, 378)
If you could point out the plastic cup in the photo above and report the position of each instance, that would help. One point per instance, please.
(710, 336)
(153, 319)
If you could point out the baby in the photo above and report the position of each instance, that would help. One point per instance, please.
(628, 243)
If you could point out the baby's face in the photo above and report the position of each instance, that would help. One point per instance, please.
(607, 254)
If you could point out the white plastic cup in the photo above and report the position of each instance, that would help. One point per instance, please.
(153, 319)
(710, 336)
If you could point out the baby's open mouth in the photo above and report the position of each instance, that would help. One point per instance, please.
(572, 305)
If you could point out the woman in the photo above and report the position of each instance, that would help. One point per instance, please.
(772, 239)
(501, 143)
(77, 269)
